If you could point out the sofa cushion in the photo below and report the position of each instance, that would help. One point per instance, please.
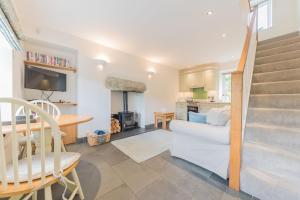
(218, 116)
(204, 132)
(197, 117)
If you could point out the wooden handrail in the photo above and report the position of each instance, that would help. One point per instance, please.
(237, 111)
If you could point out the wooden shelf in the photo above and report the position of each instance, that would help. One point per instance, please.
(73, 69)
(65, 103)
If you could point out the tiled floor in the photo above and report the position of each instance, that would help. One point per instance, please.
(108, 174)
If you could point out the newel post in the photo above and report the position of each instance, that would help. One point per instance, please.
(236, 129)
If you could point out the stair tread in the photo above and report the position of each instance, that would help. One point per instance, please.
(281, 61)
(276, 178)
(267, 126)
(273, 82)
(279, 54)
(273, 149)
(278, 42)
(275, 109)
(279, 47)
(269, 186)
(280, 38)
(264, 95)
(277, 71)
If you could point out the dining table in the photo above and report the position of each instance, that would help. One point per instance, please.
(67, 123)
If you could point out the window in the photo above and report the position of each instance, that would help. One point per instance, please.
(265, 15)
(225, 86)
(6, 81)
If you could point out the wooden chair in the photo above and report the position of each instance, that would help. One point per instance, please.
(22, 178)
(48, 107)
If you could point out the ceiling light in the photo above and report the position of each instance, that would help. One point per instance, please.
(210, 12)
(224, 35)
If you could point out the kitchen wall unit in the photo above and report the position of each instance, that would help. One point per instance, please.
(206, 77)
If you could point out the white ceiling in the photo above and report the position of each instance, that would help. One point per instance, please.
(176, 33)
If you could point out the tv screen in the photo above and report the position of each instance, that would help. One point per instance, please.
(41, 79)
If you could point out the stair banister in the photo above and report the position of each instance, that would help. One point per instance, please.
(238, 93)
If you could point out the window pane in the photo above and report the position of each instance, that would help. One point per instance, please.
(226, 87)
(264, 16)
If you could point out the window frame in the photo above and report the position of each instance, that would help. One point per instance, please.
(269, 5)
(221, 73)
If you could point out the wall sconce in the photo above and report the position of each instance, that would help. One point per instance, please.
(151, 71)
(101, 64)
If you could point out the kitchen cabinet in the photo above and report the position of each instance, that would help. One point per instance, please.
(206, 78)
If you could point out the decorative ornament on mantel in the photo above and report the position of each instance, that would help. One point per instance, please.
(117, 84)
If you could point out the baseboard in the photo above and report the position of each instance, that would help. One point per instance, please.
(151, 126)
(81, 140)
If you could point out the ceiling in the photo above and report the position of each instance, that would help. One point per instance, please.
(177, 33)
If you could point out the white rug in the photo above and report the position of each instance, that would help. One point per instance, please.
(144, 146)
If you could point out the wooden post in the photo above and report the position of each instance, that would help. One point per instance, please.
(236, 129)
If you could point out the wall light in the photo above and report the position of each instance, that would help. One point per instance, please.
(101, 64)
(103, 57)
(210, 12)
(151, 71)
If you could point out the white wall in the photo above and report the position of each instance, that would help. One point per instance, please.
(285, 19)
(92, 96)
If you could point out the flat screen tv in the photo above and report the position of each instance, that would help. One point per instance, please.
(46, 80)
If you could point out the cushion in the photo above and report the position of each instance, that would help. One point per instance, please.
(218, 116)
(197, 117)
(67, 160)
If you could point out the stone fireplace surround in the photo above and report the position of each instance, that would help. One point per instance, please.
(135, 99)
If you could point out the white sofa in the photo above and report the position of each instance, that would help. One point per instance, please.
(202, 144)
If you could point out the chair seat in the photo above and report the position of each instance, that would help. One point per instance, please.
(67, 160)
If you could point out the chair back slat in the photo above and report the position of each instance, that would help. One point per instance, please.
(28, 146)
(15, 145)
(43, 150)
(2, 156)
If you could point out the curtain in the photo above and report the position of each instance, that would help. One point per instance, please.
(9, 25)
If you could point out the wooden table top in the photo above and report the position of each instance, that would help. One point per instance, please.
(63, 121)
(164, 113)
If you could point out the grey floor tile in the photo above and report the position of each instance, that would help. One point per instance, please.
(82, 148)
(110, 154)
(120, 193)
(229, 197)
(109, 179)
(134, 175)
(190, 167)
(163, 190)
(193, 185)
(156, 163)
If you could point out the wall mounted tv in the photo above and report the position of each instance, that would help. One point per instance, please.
(46, 80)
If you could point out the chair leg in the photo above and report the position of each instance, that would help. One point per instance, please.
(63, 147)
(34, 196)
(48, 193)
(76, 180)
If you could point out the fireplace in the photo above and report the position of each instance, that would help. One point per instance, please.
(124, 92)
(126, 118)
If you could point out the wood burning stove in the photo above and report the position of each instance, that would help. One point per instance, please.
(126, 118)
